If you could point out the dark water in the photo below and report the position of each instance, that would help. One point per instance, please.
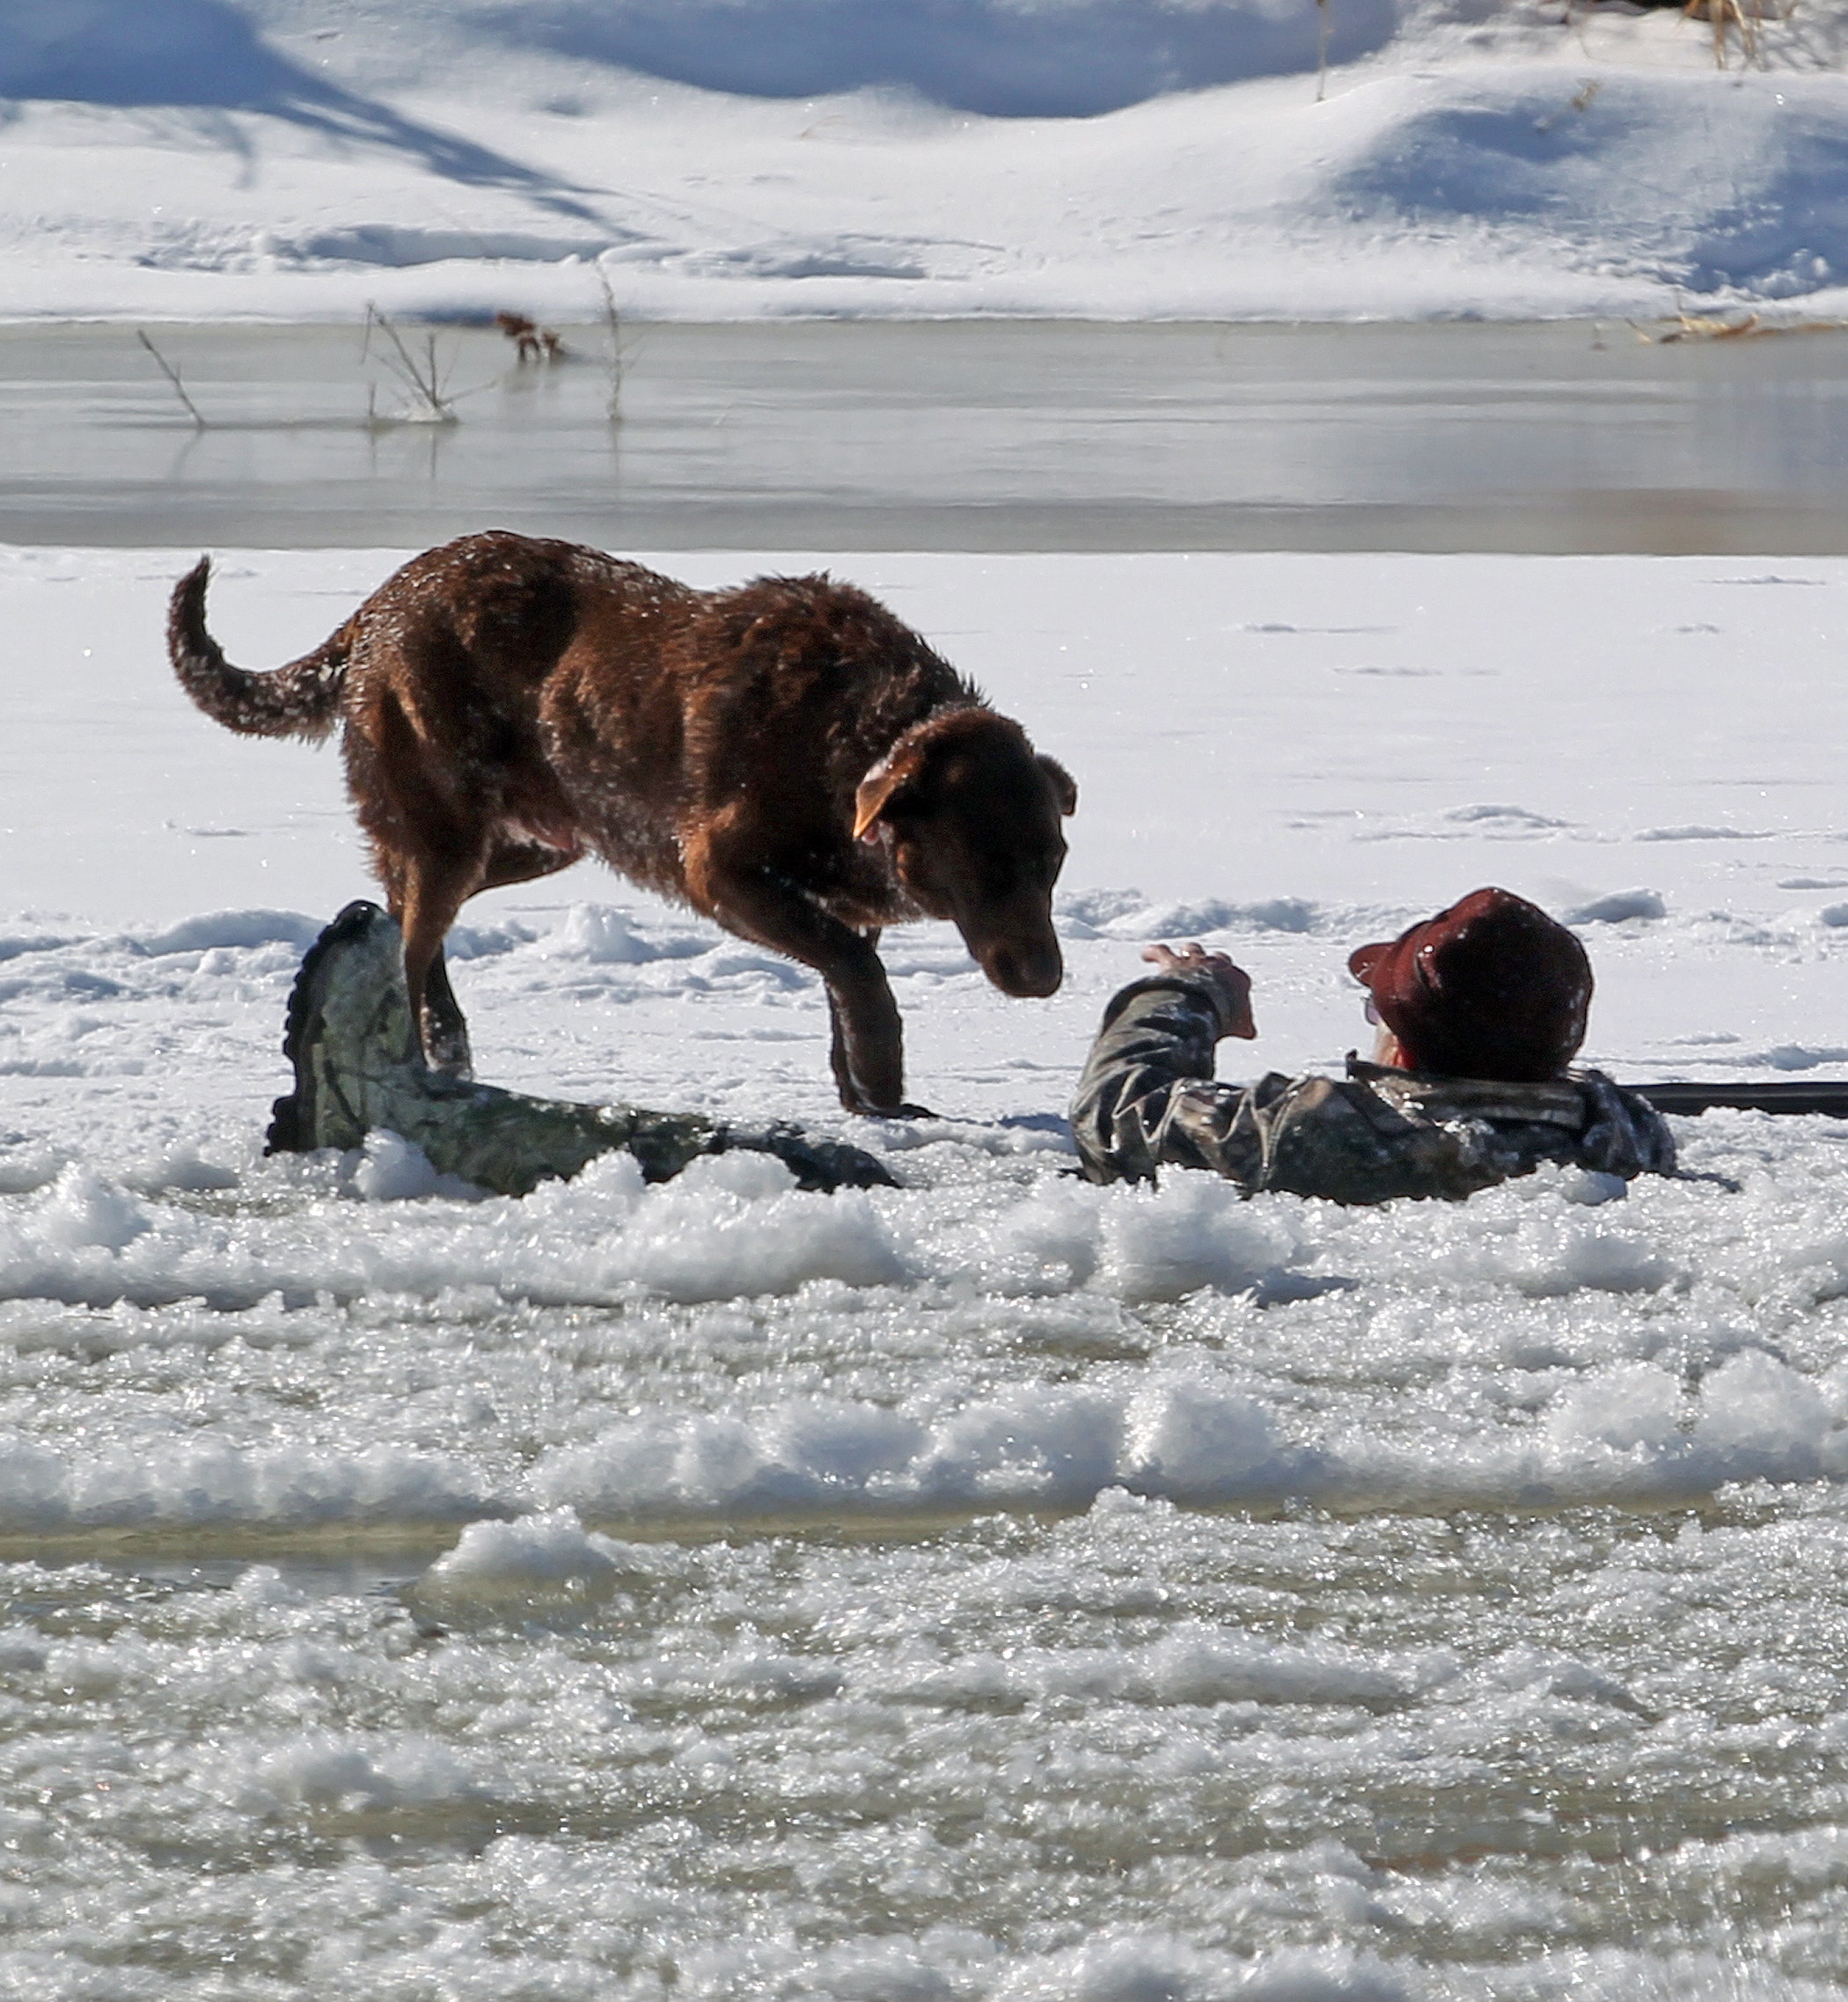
(969, 436)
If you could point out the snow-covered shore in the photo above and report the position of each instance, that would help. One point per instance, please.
(722, 159)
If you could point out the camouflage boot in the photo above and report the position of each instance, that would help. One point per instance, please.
(358, 1067)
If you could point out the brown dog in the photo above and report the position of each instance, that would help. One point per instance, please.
(786, 757)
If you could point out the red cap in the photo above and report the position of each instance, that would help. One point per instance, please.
(1493, 987)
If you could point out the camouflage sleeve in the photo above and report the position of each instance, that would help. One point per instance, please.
(1623, 1134)
(1147, 1097)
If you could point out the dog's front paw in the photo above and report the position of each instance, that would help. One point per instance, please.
(903, 1109)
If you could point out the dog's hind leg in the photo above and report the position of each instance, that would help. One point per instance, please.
(433, 847)
(432, 899)
(524, 861)
(444, 1026)
(440, 1018)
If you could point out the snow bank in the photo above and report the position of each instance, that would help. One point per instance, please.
(1069, 59)
(1031, 1447)
(1093, 158)
(156, 1484)
(1191, 1434)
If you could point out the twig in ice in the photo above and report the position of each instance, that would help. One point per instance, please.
(614, 322)
(421, 376)
(173, 375)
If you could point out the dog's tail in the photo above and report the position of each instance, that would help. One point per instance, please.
(300, 699)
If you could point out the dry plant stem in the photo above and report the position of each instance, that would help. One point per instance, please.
(1701, 326)
(1743, 17)
(425, 381)
(172, 376)
(615, 327)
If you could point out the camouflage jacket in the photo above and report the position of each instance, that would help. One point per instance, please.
(1148, 1098)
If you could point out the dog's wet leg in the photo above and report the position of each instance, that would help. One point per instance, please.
(845, 1081)
(445, 1027)
(868, 1038)
(432, 900)
(871, 1040)
(867, 1044)
(866, 1054)
(838, 1056)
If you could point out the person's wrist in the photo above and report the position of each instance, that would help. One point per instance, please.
(1203, 982)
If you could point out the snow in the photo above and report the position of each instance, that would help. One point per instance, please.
(1284, 755)
(729, 159)
(993, 1587)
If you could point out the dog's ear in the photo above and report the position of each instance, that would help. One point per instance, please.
(1065, 788)
(881, 786)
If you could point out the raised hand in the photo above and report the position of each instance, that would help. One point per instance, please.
(1231, 985)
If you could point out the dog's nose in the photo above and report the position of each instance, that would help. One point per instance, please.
(1028, 975)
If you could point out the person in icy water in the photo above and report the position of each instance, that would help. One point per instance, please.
(359, 1068)
(1480, 1010)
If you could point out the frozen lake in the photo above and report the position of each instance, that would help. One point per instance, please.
(960, 435)
(993, 1588)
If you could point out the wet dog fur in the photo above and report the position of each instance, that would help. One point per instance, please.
(786, 757)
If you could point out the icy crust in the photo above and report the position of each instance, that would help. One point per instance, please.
(201, 1342)
(1139, 1752)
(993, 1587)
(347, 1346)
(906, 1352)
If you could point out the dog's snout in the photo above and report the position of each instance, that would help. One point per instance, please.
(1027, 973)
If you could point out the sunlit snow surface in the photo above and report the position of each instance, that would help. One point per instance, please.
(993, 1587)
(1083, 159)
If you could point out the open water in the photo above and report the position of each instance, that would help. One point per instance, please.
(857, 435)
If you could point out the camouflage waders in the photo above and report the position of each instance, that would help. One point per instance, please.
(358, 1068)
